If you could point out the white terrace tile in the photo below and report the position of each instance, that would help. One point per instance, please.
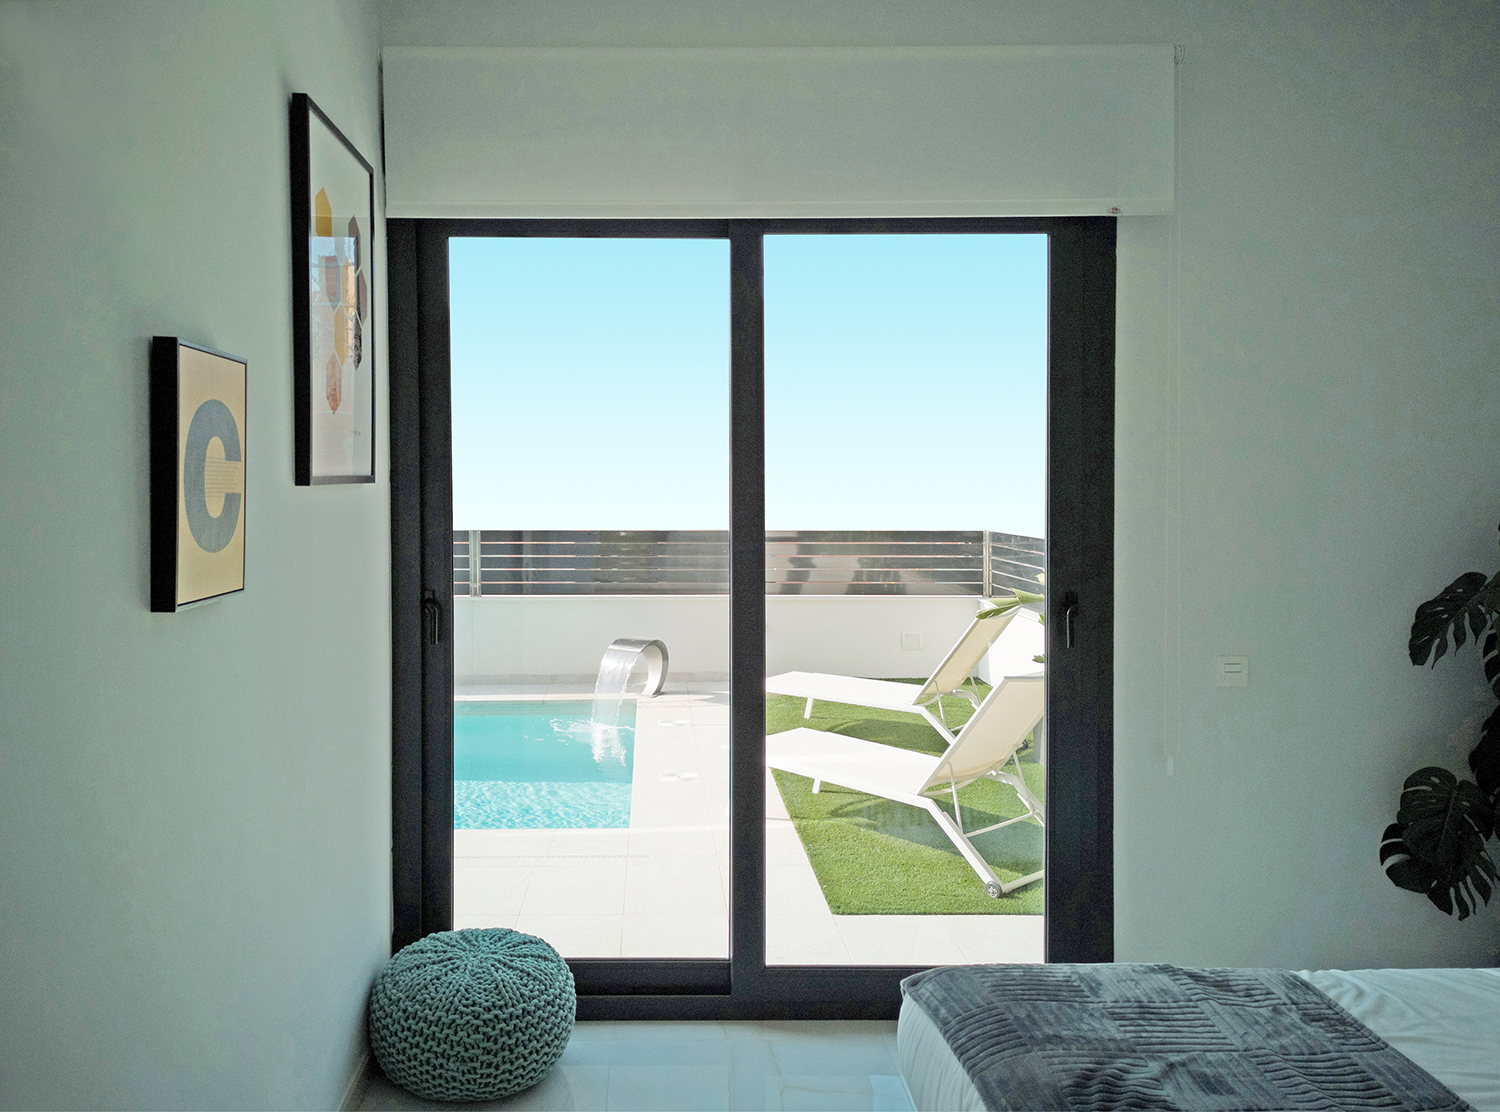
(671, 772)
(775, 805)
(488, 890)
(576, 936)
(605, 844)
(575, 890)
(676, 936)
(501, 847)
(678, 888)
(711, 714)
(656, 805)
(783, 846)
(658, 846)
(997, 938)
(805, 944)
(482, 921)
(800, 930)
(898, 940)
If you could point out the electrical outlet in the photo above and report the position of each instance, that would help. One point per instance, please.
(1232, 671)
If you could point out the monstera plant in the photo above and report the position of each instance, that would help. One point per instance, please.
(1438, 845)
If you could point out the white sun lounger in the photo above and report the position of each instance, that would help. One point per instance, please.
(987, 741)
(1018, 629)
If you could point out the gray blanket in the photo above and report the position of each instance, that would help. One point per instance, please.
(1155, 1036)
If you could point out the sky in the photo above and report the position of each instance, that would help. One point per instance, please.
(905, 383)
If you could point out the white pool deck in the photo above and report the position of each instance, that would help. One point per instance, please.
(661, 887)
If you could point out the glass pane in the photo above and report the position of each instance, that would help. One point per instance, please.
(590, 506)
(906, 468)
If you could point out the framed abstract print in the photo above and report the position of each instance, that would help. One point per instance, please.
(198, 445)
(333, 317)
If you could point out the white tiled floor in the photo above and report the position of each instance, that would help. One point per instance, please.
(807, 1064)
(660, 888)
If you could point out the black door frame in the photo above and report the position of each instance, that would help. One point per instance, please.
(1079, 895)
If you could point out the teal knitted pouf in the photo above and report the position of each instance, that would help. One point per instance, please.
(471, 1015)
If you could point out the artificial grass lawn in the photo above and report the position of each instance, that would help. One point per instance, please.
(876, 857)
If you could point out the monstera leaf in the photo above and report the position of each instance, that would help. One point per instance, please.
(1491, 656)
(1438, 841)
(1484, 761)
(1461, 603)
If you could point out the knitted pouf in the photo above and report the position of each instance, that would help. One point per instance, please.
(471, 1015)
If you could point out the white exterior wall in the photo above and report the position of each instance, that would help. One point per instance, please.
(564, 636)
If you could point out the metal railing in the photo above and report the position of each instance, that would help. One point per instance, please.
(489, 562)
(1014, 562)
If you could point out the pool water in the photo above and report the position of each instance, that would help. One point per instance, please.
(540, 766)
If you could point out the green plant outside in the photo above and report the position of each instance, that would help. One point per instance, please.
(876, 857)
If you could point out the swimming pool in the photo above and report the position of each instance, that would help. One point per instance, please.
(543, 765)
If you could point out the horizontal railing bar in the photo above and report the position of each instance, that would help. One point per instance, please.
(772, 589)
(582, 551)
(973, 553)
(721, 538)
(568, 536)
(974, 536)
(773, 534)
(814, 562)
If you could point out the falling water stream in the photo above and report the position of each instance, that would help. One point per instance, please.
(609, 692)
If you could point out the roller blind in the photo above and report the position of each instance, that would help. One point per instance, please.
(1057, 130)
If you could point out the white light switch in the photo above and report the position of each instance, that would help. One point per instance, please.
(911, 641)
(1232, 671)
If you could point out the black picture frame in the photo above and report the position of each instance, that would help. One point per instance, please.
(333, 310)
(199, 399)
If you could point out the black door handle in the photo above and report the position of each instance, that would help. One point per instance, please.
(432, 617)
(1070, 612)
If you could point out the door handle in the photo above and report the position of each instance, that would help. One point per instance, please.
(432, 617)
(1069, 615)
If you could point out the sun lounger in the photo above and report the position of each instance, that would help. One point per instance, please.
(1018, 630)
(987, 741)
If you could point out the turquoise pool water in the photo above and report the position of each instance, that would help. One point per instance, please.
(540, 766)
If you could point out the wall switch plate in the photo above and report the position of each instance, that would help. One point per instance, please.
(911, 641)
(1232, 671)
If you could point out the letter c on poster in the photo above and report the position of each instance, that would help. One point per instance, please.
(212, 419)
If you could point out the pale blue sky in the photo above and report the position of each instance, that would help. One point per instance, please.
(905, 383)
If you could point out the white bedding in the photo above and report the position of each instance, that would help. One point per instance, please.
(1445, 1020)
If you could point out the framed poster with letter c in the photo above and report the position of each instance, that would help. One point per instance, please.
(198, 447)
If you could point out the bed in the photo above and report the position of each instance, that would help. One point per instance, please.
(1444, 1024)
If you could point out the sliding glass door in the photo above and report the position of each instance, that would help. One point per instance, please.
(906, 460)
(643, 470)
(590, 394)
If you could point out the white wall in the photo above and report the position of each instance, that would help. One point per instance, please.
(564, 636)
(1306, 444)
(194, 808)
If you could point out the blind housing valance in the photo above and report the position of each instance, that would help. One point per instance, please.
(605, 132)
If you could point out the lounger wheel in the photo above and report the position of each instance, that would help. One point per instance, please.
(992, 890)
